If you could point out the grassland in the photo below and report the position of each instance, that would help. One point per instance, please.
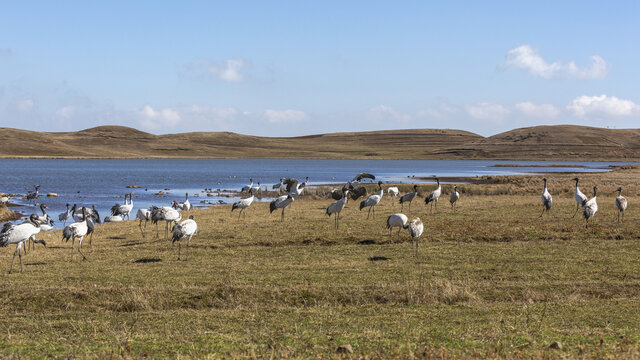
(563, 142)
(489, 280)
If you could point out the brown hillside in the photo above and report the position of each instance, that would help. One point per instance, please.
(542, 142)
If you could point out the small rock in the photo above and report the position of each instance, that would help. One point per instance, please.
(555, 345)
(345, 349)
(159, 193)
(133, 187)
(52, 195)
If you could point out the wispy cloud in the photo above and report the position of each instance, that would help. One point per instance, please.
(153, 119)
(229, 70)
(66, 111)
(383, 113)
(527, 59)
(26, 105)
(285, 116)
(602, 106)
(539, 111)
(488, 112)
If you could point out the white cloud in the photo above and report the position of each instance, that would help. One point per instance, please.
(488, 112)
(541, 111)
(386, 113)
(66, 111)
(151, 118)
(285, 116)
(526, 58)
(602, 106)
(230, 70)
(25, 105)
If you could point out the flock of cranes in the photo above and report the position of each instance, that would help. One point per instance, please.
(84, 219)
(589, 206)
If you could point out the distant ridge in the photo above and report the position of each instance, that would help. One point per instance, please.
(560, 142)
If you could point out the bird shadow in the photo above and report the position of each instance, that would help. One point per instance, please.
(36, 263)
(367, 242)
(133, 243)
(379, 258)
(147, 260)
(116, 237)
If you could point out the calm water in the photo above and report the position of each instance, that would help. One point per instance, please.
(102, 182)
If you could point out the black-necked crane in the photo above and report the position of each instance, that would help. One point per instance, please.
(143, 215)
(415, 230)
(167, 214)
(77, 230)
(434, 196)
(294, 188)
(93, 213)
(279, 186)
(123, 210)
(247, 187)
(408, 198)
(243, 204)
(621, 204)
(186, 205)
(396, 220)
(257, 188)
(44, 218)
(590, 208)
(372, 201)
(358, 178)
(547, 200)
(581, 198)
(393, 193)
(186, 229)
(18, 234)
(64, 216)
(336, 208)
(453, 198)
(280, 203)
(112, 219)
(34, 195)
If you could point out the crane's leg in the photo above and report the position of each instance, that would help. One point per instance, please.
(543, 208)
(369, 213)
(90, 238)
(374, 211)
(282, 215)
(623, 217)
(401, 206)
(410, 208)
(17, 252)
(140, 225)
(179, 246)
(73, 240)
(80, 247)
(436, 206)
(188, 241)
(577, 208)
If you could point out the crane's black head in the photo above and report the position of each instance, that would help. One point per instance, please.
(67, 205)
(415, 187)
(191, 217)
(619, 189)
(34, 219)
(575, 179)
(379, 182)
(544, 179)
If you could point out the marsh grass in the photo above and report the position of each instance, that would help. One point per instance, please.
(492, 279)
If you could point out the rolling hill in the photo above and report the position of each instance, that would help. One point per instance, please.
(542, 142)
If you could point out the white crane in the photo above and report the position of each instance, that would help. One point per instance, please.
(455, 195)
(280, 203)
(396, 220)
(18, 234)
(243, 204)
(78, 230)
(590, 208)
(581, 198)
(167, 214)
(279, 186)
(186, 229)
(64, 216)
(415, 229)
(546, 198)
(372, 201)
(408, 198)
(34, 195)
(112, 219)
(336, 208)
(186, 205)
(621, 204)
(143, 215)
(123, 210)
(4, 200)
(393, 193)
(434, 196)
(44, 218)
(247, 187)
(256, 188)
(92, 213)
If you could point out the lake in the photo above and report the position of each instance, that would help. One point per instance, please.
(103, 181)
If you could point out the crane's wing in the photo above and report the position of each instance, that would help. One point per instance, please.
(291, 183)
(336, 194)
(357, 192)
(363, 176)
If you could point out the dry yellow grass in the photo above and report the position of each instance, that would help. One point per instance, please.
(489, 280)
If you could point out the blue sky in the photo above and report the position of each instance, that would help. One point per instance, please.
(295, 68)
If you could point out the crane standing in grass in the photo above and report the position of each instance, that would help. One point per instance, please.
(143, 215)
(396, 220)
(18, 234)
(65, 216)
(581, 198)
(243, 204)
(337, 207)
(372, 201)
(547, 200)
(393, 194)
(590, 208)
(78, 230)
(167, 214)
(186, 229)
(408, 198)
(123, 210)
(280, 203)
(434, 196)
(455, 195)
(621, 204)
(415, 229)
